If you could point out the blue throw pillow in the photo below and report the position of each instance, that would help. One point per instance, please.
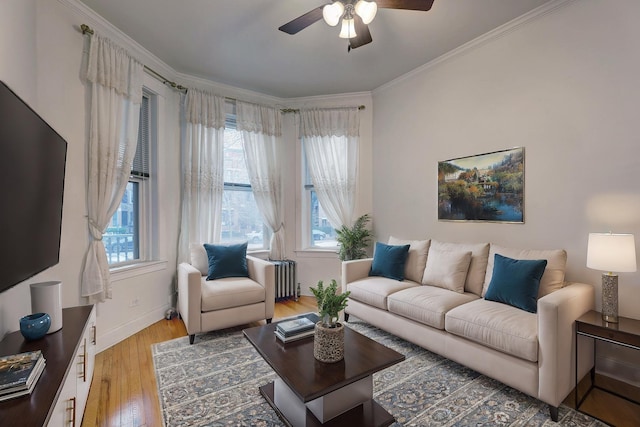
(388, 261)
(227, 261)
(516, 282)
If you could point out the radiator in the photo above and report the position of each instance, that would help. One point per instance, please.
(286, 283)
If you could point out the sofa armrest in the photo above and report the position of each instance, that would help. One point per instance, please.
(190, 296)
(264, 272)
(557, 313)
(354, 270)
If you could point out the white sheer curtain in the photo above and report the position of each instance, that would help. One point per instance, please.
(115, 80)
(261, 128)
(330, 140)
(202, 170)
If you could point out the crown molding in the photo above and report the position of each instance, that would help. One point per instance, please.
(501, 31)
(88, 16)
(222, 89)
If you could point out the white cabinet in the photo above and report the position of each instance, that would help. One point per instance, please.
(60, 395)
(64, 411)
(84, 362)
(69, 407)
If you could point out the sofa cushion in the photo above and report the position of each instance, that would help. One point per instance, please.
(227, 261)
(447, 269)
(199, 258)
(478, 265)
(499, 326)
(389, 260)
(426, 304)
(375, 290)
(516, 282)
(416, 258)
(230, 292)
(553, 277)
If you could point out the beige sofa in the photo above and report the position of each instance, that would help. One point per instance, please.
(531, 352)
(207, 305)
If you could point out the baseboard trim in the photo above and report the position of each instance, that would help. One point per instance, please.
(113, 337)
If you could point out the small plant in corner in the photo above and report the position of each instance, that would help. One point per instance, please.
(330, 303)
(354, 240)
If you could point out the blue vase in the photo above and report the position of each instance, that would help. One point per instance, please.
(35, 326)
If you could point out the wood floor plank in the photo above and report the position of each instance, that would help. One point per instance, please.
(114, 405)
(104, 416)
(124, 384)
(135, 386)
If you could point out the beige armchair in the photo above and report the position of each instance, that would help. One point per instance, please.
(207, 305)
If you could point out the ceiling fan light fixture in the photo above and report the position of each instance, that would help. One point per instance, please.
(332, 13)
(366, 10)
(348, 29)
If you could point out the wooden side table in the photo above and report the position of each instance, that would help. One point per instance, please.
(625, 333)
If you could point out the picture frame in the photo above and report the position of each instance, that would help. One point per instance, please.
(485, 187)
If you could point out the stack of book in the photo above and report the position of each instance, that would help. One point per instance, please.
(19, 373)
(296, 328)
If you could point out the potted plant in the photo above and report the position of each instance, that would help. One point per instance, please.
(328, 344)
(354, 240)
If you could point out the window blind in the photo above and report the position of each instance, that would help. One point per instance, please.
(140, 167)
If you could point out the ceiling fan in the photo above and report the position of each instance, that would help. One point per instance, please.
(355, 16)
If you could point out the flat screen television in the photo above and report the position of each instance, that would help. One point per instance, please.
(32, 166)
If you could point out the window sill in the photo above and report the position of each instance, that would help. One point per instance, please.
(317, 253)
(138, 269)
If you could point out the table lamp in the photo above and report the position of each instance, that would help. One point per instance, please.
(610, 252)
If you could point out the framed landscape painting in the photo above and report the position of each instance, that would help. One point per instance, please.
(485, 187)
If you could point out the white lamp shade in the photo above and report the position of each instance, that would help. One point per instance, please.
(332, 13)
(366, 10)
(611, 252)
(348, 29)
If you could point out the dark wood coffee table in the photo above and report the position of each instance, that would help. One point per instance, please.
(313, 393)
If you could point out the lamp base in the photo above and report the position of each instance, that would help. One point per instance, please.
(610, 297)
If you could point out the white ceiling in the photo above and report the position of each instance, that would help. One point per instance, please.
(237, 42)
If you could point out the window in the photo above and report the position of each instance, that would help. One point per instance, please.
(241, 219)
(125, 239)
(318, 232)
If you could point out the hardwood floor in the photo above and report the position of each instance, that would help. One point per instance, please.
(124, 393)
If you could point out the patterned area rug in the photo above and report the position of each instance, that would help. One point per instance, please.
(215, 383)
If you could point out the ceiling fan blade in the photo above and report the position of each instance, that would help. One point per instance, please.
(363, 36)
(302, 21)
(423, 5)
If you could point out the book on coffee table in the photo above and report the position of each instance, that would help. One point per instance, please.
(296, 328)
(296, 337)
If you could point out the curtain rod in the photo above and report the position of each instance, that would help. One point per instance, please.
(88, 30)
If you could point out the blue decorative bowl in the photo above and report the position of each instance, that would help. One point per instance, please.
(35, 326)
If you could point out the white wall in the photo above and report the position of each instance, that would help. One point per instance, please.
(562, 85)
(18, 71)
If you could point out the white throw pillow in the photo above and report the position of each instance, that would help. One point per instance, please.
(199, 258)
(447, 269)
(478, 265)
(553, 277)
(416, 258)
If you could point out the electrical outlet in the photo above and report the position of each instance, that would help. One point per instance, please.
(134, 302)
